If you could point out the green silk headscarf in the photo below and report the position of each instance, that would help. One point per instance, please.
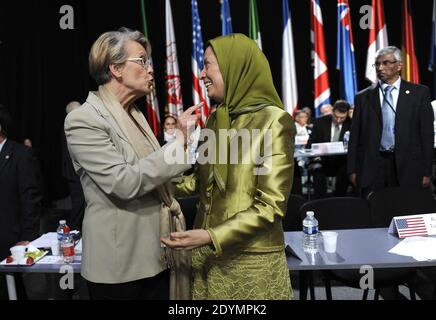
(248, 87)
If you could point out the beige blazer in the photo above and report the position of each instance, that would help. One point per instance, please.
(121, 224)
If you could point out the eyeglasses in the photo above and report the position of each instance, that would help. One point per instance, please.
(385, 63)
(141, 61)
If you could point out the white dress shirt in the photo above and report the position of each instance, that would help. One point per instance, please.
(2, 144)
(332, 131)
(395, 92)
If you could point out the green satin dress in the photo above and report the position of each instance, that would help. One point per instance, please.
(241, 208)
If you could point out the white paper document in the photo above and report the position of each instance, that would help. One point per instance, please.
(301, 140)
(419, 248)
(46, 240)
(328, 147)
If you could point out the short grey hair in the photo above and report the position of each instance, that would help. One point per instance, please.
(390, 50)
(71, 106)
(109, 49)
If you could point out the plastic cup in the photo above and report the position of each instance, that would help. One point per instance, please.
(18, 252)
(330, 239)
(55, 248)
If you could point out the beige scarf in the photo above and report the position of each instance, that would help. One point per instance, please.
(171, 216)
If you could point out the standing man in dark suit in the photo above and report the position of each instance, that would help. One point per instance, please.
(20, 194)
(78, 203)
(391, 142)
(330, 128)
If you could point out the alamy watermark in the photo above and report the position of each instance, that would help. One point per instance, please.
(242, 146)
(367, 280)
(365, 20)
(66, 22)
(67, 280)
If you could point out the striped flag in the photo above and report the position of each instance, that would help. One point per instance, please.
(253, 23)
(226, 18)
(378, 38)
(198, 90)
(409, 227)
(410, 70)
(345, 53)
(432, 59)
(152, 106)
(289, 79)
(319, 59)
(174, 90)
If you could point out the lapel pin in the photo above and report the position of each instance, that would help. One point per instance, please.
(7, 157)
(407, 91)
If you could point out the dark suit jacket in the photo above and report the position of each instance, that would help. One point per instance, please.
(78, 203)
(322, 127)
(414, 136)
(321, 132)
(20, 196)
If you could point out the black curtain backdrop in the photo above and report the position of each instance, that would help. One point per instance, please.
(43, 67)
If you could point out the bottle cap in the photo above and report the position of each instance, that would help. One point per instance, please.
(310, 213)
(62, 221)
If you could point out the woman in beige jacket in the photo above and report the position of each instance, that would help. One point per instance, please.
(122, 170)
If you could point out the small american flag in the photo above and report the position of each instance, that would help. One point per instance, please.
(409, 227)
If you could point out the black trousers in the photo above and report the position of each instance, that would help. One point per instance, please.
(331, 167)
(154, 288)
(386, 174)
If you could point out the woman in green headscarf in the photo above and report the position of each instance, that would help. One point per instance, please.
(237, 241)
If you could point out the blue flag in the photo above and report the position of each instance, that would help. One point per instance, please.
(226, 18)
(432, 60)
(345, 53)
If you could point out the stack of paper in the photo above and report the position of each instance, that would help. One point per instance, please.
(419, 248)
(46, 240)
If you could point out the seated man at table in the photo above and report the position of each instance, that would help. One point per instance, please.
(20, 197)
(330, 128)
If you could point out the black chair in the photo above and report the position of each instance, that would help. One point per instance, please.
(189, 209)
(336, 213)
(339, 213)
(399, 201)
(292, 221)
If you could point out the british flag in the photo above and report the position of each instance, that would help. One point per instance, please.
(345, 53)
(198, 89)
(409, 227)
(319, 58)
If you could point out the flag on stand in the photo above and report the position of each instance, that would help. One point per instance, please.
(289, 78)
(345, 53)
(319, 59)
(226, 18)
(199, 93)
(174, 90)
(253, 23)
(432, 60)
(152, 106)
(378, 38)
(410, 70)
(410, 227)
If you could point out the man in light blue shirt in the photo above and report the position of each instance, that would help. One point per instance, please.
(391, 140)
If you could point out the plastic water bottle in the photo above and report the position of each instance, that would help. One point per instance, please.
(346, 139)
(68, 248)
(310, 233)
(61, 231)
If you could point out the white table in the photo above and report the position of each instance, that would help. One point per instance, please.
(355, 248)
(38, 267)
